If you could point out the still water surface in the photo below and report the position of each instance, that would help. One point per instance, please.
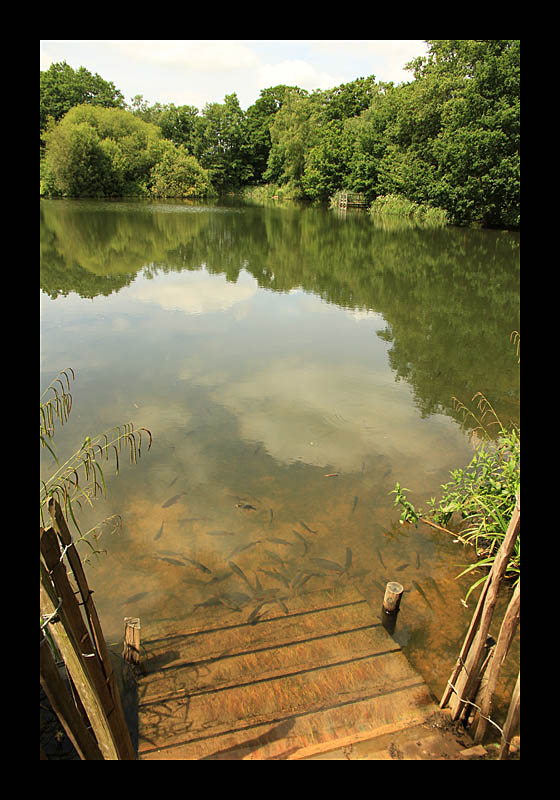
(267, 348)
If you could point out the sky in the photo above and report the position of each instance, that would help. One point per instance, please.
(199, 71)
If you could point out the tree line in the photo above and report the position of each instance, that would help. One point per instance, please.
(449, 138)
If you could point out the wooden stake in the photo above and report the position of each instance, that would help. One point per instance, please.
(131, 649)
(64, 708)
(72, 655)
(466, 679)
(507, 630)
(393, 594)
(511, 721)
(116, 717)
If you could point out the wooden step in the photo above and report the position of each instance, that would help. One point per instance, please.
(305, 678)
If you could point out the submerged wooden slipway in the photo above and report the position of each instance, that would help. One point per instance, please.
(302, 679)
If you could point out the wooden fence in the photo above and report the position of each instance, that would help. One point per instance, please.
(91, 714)
(352, 200)
(474, 678)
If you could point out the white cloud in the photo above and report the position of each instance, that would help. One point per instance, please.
(191, 54)
(195, 293)
(296, 72)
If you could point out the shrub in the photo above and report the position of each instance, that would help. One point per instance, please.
(178, 174)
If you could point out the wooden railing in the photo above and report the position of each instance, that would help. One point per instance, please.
(474, 678)
(94, 721)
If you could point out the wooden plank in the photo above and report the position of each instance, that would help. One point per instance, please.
(297, 681)
(269, 662)
(301, 736)
(228, 641)
(166, 630)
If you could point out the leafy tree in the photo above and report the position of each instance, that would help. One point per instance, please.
(177, 123)
(178, 174)
(221, 143)
(290, 135)
(62, 88)
(99, 152)
(475, 144)
(259, 118)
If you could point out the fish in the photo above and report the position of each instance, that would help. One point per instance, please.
(330, 565)
(172, 499)
(173, 561)
(331, 475)
(303, 576)
(354, 504)
(380, 557)
(198, 565)
(158, 534)
(274, 557)
(245, 506)
(402, 566)
(276, 576)
(173, 481)
(234, 600)
(254, 613)
(436, 587)
(305, 542)
(282, 604)
(243, 547)
(348, 562)
(421, 591)
(277, 540)
(238, 571)
(307, 528)
(136, 597)
(271, 516)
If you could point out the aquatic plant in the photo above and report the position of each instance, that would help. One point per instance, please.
(398, 205)
(81, 477)
(483, 495)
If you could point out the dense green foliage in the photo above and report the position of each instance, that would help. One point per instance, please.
(448, 139)
(178, 174)
(483, 496)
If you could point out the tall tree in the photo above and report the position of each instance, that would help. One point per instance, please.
(62, 87)
(221, 144)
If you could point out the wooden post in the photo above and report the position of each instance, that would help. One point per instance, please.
(391, 603)
(131, 649)
(511, 721)
(71, 651)
(467, 670)
(507, 630)
(64, 708)
(392, 599)
(116, 714)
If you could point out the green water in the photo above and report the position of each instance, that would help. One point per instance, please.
(266, 348)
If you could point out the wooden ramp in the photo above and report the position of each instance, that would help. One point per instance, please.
(288, 686)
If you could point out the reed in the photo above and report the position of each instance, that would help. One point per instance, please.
(81, 477)
(400, 206)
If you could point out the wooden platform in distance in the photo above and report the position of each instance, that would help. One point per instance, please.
(290, 686)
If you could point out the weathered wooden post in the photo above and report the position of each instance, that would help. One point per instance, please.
(391, 605)
(131, 648)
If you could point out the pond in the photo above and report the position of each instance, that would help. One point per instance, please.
(292, 363)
